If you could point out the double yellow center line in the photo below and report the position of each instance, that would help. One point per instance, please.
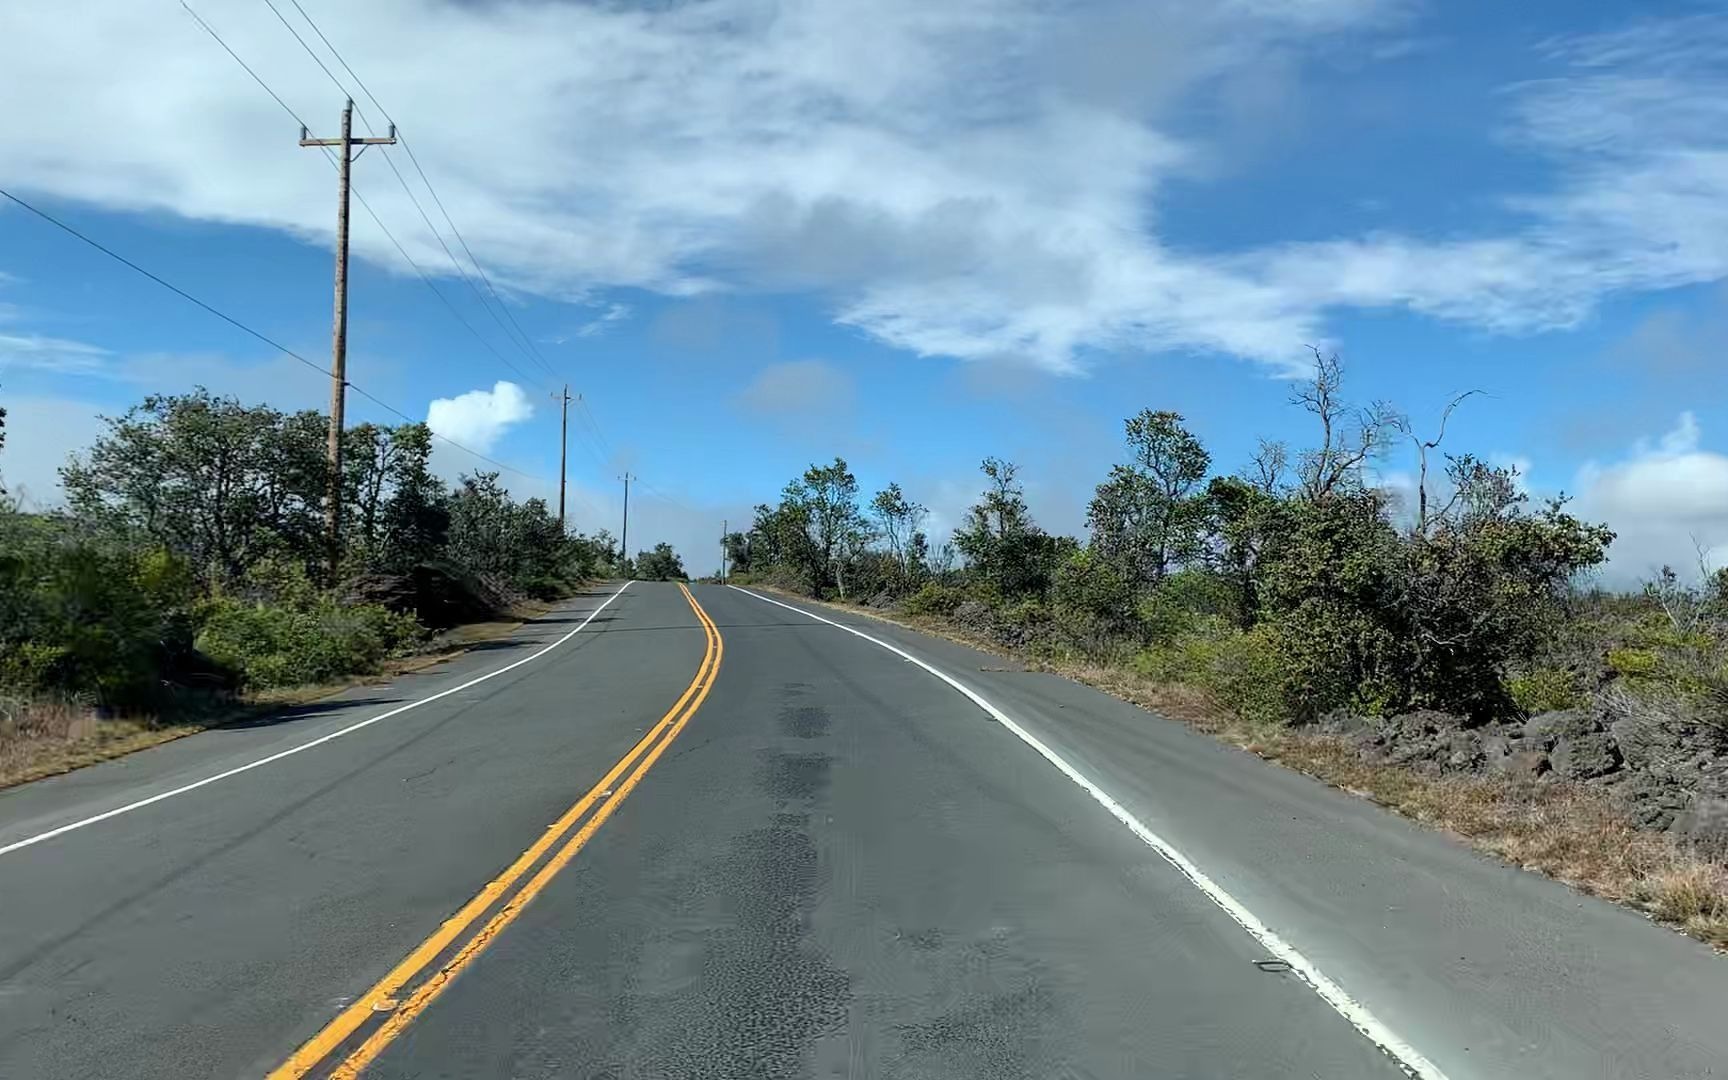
(365, 1028)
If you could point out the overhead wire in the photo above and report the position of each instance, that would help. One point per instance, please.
(524, 345)
(596, 439)
(590, 436)
(237, 324)
(359, 195)
(430, 189)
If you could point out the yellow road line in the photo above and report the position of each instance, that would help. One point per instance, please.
(382, 996)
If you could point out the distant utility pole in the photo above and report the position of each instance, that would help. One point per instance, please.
(563, 452)
(624, 540)
(723, 524)
(339, 335)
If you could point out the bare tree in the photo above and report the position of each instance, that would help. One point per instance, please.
(1349, 436)
(1422, 448)
(1269, 465)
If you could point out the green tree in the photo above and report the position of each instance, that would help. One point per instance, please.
(395, 516)
(898, 519)
(1147, 516)
(416, 517)
(661, 564)
(1488, 585)
(819, 521)
(738, 554)
(1000, 542)
(219, 483)
(1239, 516)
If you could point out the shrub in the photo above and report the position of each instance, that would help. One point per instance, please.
(89, 616)
(1545, 690)
(1027, 623)
(1246, 670)
(1633, 664)
(271, 645)
(933, 598)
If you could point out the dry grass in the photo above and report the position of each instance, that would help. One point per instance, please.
(44, 738)
(1571, 832)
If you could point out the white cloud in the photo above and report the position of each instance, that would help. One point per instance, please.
(614, 313)
(59, 355)
(1666, 498)
(959, 179)
(1637, 129)
(479, 418)
(976, 178)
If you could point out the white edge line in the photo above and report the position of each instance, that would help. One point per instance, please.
(1408, 1058)
(320, 741)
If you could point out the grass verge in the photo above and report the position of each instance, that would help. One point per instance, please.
(47, 737)
(1571, 832)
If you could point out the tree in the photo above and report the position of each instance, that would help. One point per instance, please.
(219, 483)
(899, 519)
(818, 522)
(999, 540)
(1147, 516)
(416, 516)
(1240, 514)
(737, 548)
(395, 512)
(479, 537)
(661, 564)
(1349, 437)
(1487, 585)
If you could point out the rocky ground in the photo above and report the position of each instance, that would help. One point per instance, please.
(1669, 771)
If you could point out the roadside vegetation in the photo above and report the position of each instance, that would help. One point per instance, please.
(1444, 654)
(189, 573)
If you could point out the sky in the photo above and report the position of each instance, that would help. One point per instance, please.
(755, 234)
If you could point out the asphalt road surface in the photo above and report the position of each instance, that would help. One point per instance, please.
(660, 836)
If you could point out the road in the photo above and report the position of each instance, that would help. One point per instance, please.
(652, 836)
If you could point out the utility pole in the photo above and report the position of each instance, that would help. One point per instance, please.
(339, 334)
(563, 452)
(723, 524)
(624, 540)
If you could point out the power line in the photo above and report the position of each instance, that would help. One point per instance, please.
(431, 190)
(248, 68)
(529, 352)
(182, 293)
(237, 324)
(592, 435)
(385, 229)
(274, 10)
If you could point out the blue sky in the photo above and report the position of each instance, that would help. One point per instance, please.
(753, 234)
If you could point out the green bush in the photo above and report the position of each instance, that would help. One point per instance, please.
(88, 616)
(1545, 690)
(1246, 670)
(933, 598)
(269, 645)
(1634, 664)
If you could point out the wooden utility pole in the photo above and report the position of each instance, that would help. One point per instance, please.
(339, 334)
(723, 524)
(624, 540)
(563, 452)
